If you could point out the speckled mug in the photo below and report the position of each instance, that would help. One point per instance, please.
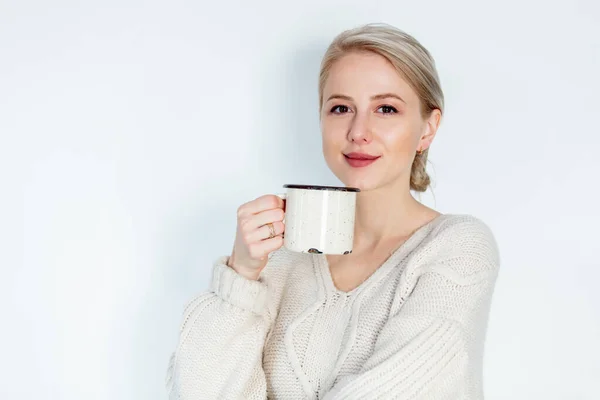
(319, 219)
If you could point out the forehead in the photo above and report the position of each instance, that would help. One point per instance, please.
(366, 74)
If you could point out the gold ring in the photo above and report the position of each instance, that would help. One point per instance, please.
(272, 232)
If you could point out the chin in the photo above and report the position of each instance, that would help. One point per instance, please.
(364, 183)
(365, 179)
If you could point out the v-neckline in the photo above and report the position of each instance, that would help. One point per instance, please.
(381, 271)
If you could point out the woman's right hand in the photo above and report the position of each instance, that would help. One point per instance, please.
(253, 243)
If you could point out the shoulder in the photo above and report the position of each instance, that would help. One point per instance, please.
(461, 245)
(283, 259)
(281, 264)
(277, 275)
(451, 272)
(464, 232)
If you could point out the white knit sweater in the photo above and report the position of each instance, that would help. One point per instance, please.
(413, 330)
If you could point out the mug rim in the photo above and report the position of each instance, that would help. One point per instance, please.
(318, 187)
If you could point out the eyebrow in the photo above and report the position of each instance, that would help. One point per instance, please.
(376, 97)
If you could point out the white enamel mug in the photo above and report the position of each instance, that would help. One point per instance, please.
(319, 219)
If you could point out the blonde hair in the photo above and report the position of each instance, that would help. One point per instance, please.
(412, 61)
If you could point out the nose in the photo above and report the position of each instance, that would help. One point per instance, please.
(359, 129)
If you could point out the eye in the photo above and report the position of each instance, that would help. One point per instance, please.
(340, 109)
(387, 109)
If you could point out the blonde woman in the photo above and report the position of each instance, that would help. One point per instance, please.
(404, 315)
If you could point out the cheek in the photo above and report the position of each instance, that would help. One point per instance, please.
(333, 134)
(399, 136)
(399, 141)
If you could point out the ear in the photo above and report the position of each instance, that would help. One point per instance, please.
(431, 126)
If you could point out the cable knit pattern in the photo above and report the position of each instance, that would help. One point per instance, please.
(413, 330)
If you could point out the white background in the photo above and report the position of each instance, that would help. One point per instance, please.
(131, 131)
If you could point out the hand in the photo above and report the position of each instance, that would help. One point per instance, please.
(253, 243)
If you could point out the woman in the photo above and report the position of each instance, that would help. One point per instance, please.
(404, 315)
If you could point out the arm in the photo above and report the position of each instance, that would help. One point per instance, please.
(222, 335)
(432, 345)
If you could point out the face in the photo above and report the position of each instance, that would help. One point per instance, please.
(371, 123)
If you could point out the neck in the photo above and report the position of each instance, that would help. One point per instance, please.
(388, 212)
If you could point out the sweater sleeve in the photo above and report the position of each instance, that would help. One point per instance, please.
(432, 345)
(219, 354)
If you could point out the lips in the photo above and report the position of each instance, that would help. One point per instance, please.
(358, 160)
(361, 156)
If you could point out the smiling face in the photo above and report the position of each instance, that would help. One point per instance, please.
(371, 122)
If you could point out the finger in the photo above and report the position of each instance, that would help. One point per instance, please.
(260, 250)
(263, 203)
(257, 220)
(264, 232)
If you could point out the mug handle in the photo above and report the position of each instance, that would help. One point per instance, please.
(282, 196)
